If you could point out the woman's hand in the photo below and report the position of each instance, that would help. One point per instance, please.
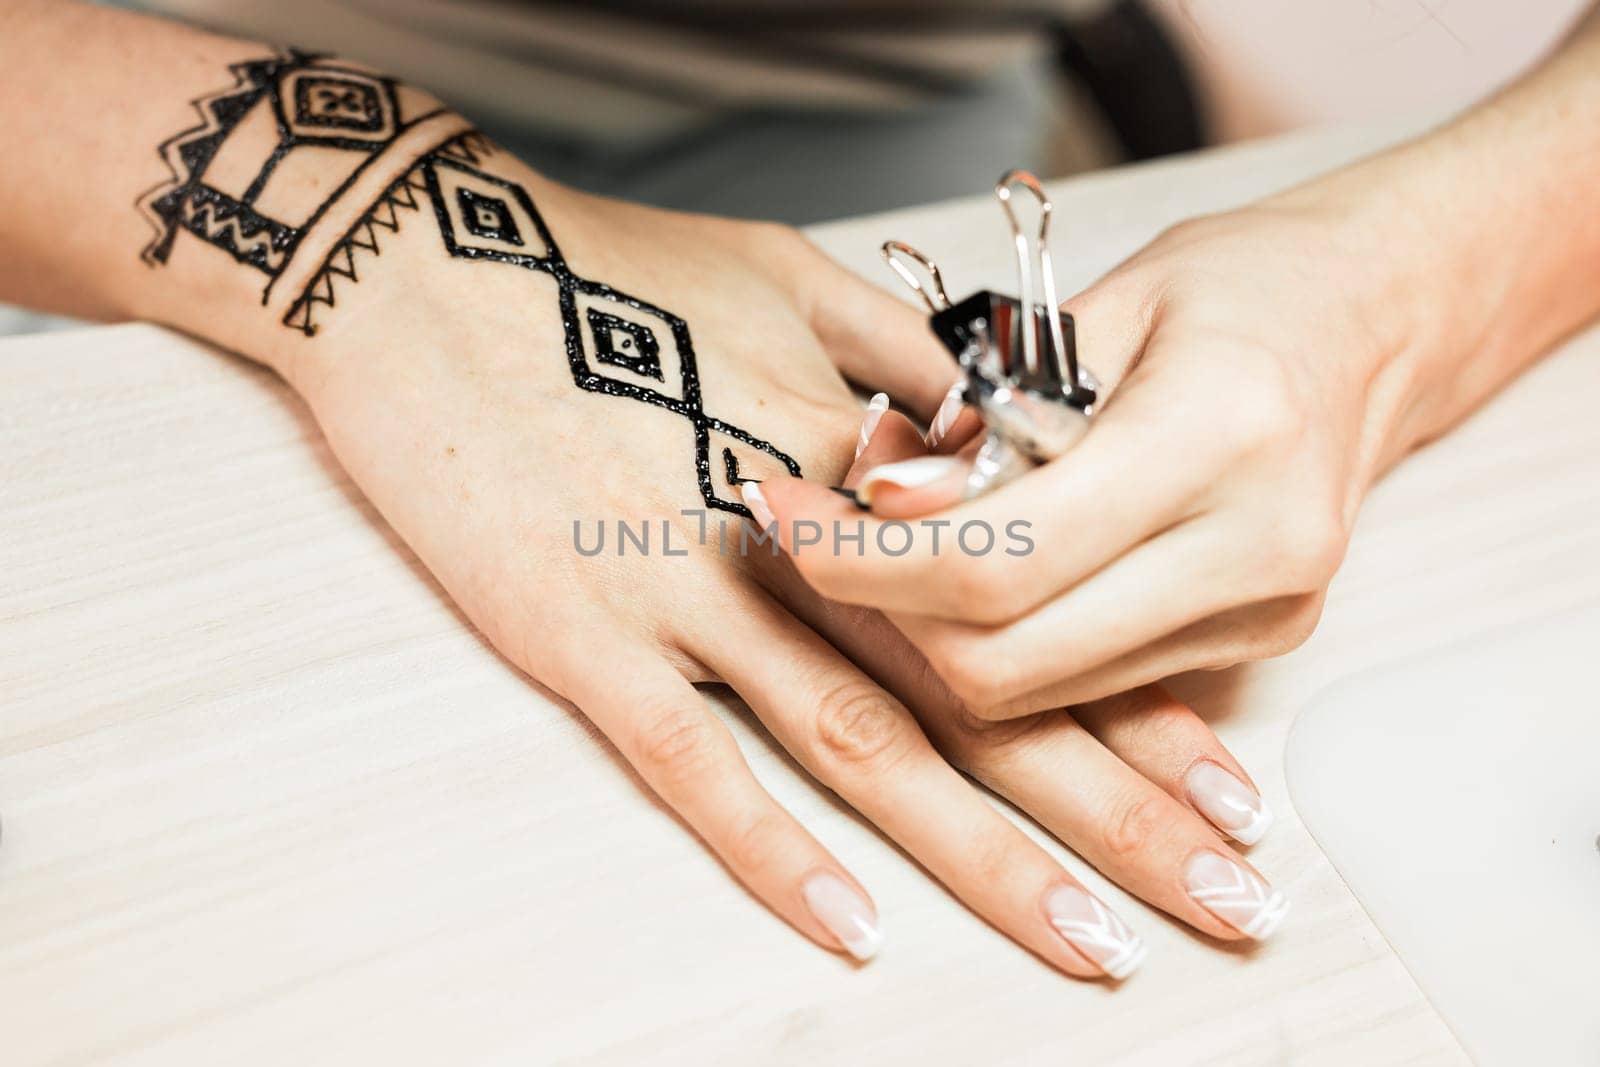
(499, 416)
(1260, 365)
(1264, 365)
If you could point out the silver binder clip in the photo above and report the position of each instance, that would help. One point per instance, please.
(1022, 370)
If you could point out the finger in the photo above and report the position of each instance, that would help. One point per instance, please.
(663, 728)
(1253, 632)
(1163, 739)
(1158, 588)
(1052, 769)
(1113, 321)
(887, 439)
(1126, 826)
(1135, 474)
(875, 339)
(864, 745)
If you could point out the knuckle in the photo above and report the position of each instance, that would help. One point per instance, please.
(1184, 232)
(985, 748)
(757, 843)
(857, 723)
(675, 745)
(1263, 414)
(1311, 548)
(1131, 824)
(1147, 719)
(1296, 628)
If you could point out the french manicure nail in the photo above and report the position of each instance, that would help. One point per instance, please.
(907, 474)
(869, 422)
(759, 508)
(845, 912)
(1233, 806)
(949, 408)
(1095, 930)
(1235, 894)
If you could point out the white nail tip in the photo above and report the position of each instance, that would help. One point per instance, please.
(908, 473)
(1235, 895)
(757, 503)
(846, 914)
(1096, 931)
(1131, 960)
(865, 942)
(1232, 806)
(949, 408)
(1254, 830)
(869, 422)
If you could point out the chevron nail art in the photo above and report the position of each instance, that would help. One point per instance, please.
(1095, 930)
(1235, 894)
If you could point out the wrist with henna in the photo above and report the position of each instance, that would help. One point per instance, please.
(361, 214)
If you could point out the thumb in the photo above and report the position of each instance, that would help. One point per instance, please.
(884, 474)
(876, 340)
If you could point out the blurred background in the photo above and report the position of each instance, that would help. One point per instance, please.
(804, 110)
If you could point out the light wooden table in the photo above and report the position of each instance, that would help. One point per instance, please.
(268, 800)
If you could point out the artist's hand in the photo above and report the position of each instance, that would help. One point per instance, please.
(448, 391)
(1257, 370)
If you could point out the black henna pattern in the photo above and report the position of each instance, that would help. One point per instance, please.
(296, 101)
(594, 333)
(616, 344)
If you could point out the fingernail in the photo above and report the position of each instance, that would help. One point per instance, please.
(907, 474)
(1233, 806)
(869, 422)
(759, 508)
(1095, 930)
(1235, 894)
(845, 912)
(949, 408)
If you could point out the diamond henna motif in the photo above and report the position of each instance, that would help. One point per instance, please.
(616, 344)
(482, 216)
(626, 344)
(488, 217)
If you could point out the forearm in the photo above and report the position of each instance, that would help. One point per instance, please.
(1487, 238)
(92, 92)
(189, 179)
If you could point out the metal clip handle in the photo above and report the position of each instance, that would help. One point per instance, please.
(895, 253)
(1028, 252)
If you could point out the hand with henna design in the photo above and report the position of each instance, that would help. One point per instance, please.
(495, 359)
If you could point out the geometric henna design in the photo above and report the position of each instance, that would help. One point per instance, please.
(279, 109)
(616, 344)
(262, 124)
(362, 239)
(346, 106)
(235, 227)
(626, 344)
(488, 217)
